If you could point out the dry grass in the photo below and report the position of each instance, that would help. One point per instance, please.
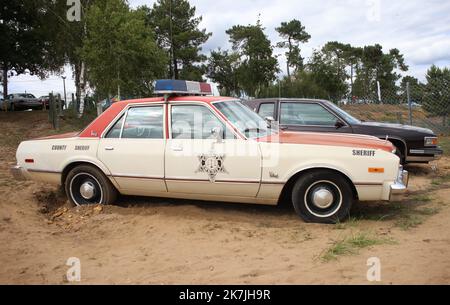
(352, 244)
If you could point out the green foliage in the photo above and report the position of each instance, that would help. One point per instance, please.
(373, 66)
(223, 69)
(294, 33)
(437, 92)
(303, 85)
(258, 66)
(177, 32)
(128, 56)
(416, 89)
(25, 38)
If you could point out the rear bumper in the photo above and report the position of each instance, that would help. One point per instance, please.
(424, 155)
(401, 183)
(19, 173)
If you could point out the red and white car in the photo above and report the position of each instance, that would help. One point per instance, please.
(185, 145)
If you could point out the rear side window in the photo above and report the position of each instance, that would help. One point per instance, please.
(267, 110)
(144, 123)
(114, 132)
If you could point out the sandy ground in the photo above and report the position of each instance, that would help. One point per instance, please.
(161, 241)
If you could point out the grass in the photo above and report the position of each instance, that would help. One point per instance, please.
(441, 180)
(352, 244)
(421, 198)
(407, 222)
(415, 218)
(349, 223)
(444, 142)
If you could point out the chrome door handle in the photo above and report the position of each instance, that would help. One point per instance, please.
(177, 148)
(109, 148)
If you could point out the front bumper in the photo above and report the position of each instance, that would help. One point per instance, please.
(401, 183)
(424, 155)
(18, 172)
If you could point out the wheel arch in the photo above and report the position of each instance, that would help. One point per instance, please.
(71, 165)
(399, 143)
(285, 196)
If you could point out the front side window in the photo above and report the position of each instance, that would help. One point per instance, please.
(267, 110)
(140, 123)
(244, 119)
(306, 114)
(195, 122)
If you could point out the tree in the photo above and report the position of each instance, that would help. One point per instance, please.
(416, 89)
(303, 85)
(223, 69)
(328, 74)
(378, 66)
(177, 32)
(258, 66)
(128, 57)
(294, 33)
(437, 93)
(25, 45)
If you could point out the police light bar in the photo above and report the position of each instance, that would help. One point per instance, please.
(182, 87)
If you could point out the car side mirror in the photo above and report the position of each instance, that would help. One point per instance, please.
(339, 124)
(269, 119)
(217, 133)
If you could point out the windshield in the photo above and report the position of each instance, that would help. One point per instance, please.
(346, 116)
(244, 119)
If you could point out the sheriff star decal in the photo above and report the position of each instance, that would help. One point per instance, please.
(211, 164)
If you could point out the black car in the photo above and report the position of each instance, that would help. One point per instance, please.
(414, 144)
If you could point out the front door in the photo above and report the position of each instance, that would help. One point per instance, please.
(199, 163)
(310, 117)
(133, 150)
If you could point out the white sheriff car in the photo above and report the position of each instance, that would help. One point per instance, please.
(187, 145)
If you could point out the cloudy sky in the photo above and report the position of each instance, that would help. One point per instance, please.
(420, 29)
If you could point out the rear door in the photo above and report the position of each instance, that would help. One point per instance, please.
(310, 117)
(133, 150)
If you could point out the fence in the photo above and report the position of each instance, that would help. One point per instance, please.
(58, 108)
(415, 104)
(423, 105)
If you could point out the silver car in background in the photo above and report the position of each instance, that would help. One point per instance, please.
(22, 101)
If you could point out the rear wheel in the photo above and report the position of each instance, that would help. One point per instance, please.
(322, 196)
(86, 184)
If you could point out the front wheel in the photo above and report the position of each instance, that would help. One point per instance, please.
(322, 196)
(86, 185)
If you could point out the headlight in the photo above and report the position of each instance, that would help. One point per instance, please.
(431, 141)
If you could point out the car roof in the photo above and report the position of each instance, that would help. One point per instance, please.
(299, 100)
(96, 128)
(193, 98)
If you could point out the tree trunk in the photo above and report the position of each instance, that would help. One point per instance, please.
(82, 88)
(351, 81)
(5, 79)
(287, 59)
(175, 68)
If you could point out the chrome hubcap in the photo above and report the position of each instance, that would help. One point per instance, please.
(322, 198)
(87, 190)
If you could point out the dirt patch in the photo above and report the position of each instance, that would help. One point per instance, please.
(155, 241)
